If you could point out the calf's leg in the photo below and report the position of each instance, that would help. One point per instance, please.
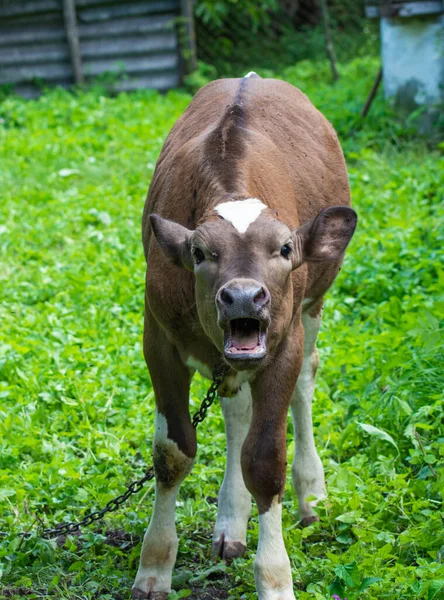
(307, 471)
(264, 469)
(174, 450)
(234, 504)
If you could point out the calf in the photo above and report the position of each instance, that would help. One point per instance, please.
(249, 207)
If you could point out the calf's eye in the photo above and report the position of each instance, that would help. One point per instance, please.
(286, 250)
(199, 256)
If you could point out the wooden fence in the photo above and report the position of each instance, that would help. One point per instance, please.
(135, 43)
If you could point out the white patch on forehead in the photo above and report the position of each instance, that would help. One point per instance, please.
(241, 213)
(250, 74)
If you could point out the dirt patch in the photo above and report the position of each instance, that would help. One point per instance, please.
(119, 538)
(208, 593)
(18, 591)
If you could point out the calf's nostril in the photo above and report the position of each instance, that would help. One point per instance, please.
(261, 297)
(226, 297)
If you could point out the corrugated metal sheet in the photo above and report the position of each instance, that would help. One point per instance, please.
(134, 39)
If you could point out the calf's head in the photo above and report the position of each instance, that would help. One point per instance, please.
(242, 258)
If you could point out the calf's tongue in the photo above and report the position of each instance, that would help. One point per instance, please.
(245, 342)
(244, 335)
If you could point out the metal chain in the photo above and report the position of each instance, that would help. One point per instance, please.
(113, 505)
(219, 373)
(73, 526)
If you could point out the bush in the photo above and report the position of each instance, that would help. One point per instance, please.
(234, 38)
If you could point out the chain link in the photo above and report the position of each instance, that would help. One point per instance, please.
(218, 376)
(73, 526)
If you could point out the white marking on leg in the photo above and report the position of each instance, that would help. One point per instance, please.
(306, 302)
(241, 213)
(272, 570)
(307, 470)
(159, 548)
(250, 74)
(203, 369)
(234, 505)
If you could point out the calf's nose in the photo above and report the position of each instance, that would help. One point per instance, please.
(239, 300)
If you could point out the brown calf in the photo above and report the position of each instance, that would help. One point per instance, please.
(249, 206)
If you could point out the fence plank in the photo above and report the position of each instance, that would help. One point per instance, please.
(129, 47)
(25, 8)
(26, 73)
(69, 13)
(96, 3)
(16, 37)
(88, 15)
(30, 55)
(162, 81)
(131, 64)
(127, 26)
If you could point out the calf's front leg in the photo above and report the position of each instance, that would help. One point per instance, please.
(234, 503)
(264, 469)
(159, 548)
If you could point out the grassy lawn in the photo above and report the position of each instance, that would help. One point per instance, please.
(76, 404)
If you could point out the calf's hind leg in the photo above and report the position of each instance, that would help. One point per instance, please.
(307, 470)
(174, 450)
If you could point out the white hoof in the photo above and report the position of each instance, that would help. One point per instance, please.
(153, 583)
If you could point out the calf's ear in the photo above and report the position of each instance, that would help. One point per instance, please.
(174, 241)
(325, 237)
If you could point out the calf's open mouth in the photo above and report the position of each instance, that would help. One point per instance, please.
(244, 340)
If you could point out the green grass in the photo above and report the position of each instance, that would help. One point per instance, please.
(76, 404)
